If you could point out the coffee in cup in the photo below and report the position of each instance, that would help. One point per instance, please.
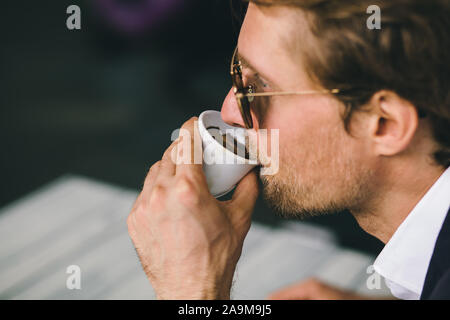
(230, 142)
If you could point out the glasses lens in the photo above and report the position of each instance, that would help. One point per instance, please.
(240, 91)
(244, 107)
(237, 78)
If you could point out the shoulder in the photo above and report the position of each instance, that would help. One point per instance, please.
(442, 289)
(437, 281)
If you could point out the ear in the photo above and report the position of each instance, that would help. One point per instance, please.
(393, 123)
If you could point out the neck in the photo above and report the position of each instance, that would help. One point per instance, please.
(400, 188)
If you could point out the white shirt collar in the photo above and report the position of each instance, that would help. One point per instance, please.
(405, 258)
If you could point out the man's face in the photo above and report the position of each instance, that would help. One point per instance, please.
(321, 167)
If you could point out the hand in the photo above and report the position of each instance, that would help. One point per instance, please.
(189, 242)
(313, 289)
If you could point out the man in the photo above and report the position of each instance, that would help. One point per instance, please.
(365, 128)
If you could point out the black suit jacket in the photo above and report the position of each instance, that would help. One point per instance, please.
(437, 281)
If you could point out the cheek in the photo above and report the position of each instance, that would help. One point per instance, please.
(310, 134)
(307, 121)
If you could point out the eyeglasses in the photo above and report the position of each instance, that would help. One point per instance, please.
(245, 94)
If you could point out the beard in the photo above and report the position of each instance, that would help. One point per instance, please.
(319, 173)
(335, 187)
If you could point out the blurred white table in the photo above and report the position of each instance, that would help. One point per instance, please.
(79, 221)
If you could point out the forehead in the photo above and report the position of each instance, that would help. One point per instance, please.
(268, 40)
(263, 26)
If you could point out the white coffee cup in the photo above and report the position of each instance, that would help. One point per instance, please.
(223, 168)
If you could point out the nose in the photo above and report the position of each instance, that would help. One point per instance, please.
(230, 111)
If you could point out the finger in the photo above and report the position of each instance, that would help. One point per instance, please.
(151, 175)
(148, 183)
(168, 161)
(190, 149)
(246, 193)
(240, 207)
(130, 219)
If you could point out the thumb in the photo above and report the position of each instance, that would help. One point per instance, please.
(246, 193)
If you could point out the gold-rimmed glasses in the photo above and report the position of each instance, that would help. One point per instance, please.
(245, 94)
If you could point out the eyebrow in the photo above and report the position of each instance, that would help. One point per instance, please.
(246, 64)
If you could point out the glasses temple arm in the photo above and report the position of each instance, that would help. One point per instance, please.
(265, 94)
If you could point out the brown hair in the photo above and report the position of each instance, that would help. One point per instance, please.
(410, 55)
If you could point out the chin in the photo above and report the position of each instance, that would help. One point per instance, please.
(281, 197)
(289, 198)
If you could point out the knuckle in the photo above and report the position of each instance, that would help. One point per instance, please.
(130, 218)
(195, 177)
(138, 215)
(155, 166)
(157, 198)
(168, 151)
(184, 183)
(186, 191)
(151, 171)
(130, 223)
(131, 227)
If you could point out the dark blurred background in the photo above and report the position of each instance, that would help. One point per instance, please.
(103, 101)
